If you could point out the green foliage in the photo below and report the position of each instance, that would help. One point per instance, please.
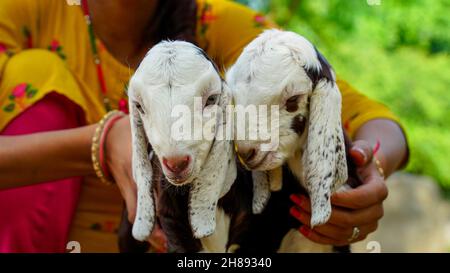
(397, 53)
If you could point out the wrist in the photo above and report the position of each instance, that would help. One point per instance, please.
(98, 148)
(379, 159)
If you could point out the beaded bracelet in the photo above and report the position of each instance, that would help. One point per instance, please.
(98, 145)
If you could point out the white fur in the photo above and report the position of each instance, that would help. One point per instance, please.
(173, 73)
(273, 68)
(142, 174)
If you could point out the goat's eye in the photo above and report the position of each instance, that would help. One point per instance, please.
(211, 100)
(139, 107)
(292, 103)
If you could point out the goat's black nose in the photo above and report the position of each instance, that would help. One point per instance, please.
(247, 153)
(177, 164)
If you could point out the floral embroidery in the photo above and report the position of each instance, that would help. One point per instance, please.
(28, 38)
(56, 47)
(206, 17)
(18, 97)
(259, 20)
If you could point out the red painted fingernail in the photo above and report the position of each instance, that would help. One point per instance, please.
(358, 156)
(297, 200)
(305, 231)
(294, 212)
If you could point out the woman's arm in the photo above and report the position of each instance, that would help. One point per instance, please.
(393, 151)
(34, 158)
(31, 159)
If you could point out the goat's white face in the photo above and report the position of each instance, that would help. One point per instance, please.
(177, 104)
(272, 71)
(291, 95)
(284, 69)
(173, 74)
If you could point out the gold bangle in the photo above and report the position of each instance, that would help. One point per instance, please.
(379, 168)
(96, 149)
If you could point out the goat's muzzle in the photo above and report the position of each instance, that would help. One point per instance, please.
(177, 168)
(250, 156)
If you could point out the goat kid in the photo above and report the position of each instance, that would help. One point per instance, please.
(198, 201)
(283, 68)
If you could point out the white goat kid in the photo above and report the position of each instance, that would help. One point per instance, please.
(171, 74)
(283, 68)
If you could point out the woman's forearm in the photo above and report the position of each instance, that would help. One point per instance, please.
(393, 147)
(40, 157)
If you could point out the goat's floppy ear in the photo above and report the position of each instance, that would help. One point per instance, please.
(214, 181)
(324, 163)
(142, 174)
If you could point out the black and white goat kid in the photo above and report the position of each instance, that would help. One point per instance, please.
(283, 68)
(197, 200)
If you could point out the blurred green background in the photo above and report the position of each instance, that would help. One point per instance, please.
(396, 52)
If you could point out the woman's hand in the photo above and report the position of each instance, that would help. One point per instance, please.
(118, 159)
(361, 207)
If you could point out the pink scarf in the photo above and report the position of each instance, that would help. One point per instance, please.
(38, 218)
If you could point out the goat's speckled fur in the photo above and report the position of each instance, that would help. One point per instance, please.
(278, 65)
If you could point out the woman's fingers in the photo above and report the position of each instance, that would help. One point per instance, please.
(319, 238)
(328, 230)
(373, 191)
(343, 217)
(329, 233)
(360, 207)
(361, 153)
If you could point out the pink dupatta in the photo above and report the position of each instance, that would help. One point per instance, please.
(37, 218)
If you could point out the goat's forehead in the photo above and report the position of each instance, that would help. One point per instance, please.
(275, 39)
(272, 71)
(179, 85)
(274, 61)
(173, 62)
(275, 51)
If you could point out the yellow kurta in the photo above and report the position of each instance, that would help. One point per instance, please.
(44, 47)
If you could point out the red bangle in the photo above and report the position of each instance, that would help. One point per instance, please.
(375, 159)
(106, 127)
(376, 148)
